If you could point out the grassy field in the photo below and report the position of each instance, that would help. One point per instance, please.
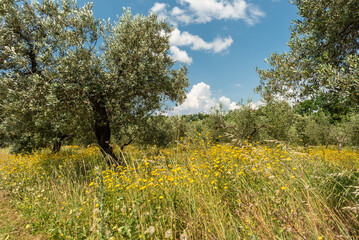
(195, 190)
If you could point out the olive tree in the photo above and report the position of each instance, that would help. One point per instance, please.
(323, 59)
(277, 119)
(70, 72)
(35, 109)
(243, 124)
(345, 130)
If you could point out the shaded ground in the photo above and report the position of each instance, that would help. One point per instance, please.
(13, 223)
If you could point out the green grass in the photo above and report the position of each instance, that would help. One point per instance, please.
(193, 191)
(13, 223)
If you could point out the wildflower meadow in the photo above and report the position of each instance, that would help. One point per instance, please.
(195, 189)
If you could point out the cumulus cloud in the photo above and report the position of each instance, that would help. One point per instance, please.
(158, 7)
(255, 105)
(227, 104)
(180, 55)
(194, 11)
(177, 11)
(204, 11)
(200, 99)
(179, 38)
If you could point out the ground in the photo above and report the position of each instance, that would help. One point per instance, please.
(12, 223)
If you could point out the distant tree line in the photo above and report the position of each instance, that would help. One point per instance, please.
(272, 122)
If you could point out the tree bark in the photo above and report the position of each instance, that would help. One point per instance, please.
(56, 147)
(58, 143)
(102, 130)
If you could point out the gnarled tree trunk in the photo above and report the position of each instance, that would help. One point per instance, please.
(102, 130)
(58, 143)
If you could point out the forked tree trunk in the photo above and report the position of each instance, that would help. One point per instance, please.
(58, 143)
(102, 130)
(56, 147)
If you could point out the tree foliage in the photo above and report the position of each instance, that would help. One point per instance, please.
(65, 72)
(323, 58)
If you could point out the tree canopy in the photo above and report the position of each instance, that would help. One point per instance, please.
(63, 72)
(323, 60)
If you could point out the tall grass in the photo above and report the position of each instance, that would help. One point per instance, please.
(195, 190)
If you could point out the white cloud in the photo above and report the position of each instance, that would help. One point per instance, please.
(204, 11)
(239, 85)
(177, 11)
(180, 55)
(158, 7)
(227, 104)
(161, 10)
(200, 99)
(255, 105)
(195, 11)
(179, 38)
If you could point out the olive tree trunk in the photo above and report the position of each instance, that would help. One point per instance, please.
(103, 131)
(58, 143)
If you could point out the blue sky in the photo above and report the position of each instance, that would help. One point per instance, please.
(222, 41)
